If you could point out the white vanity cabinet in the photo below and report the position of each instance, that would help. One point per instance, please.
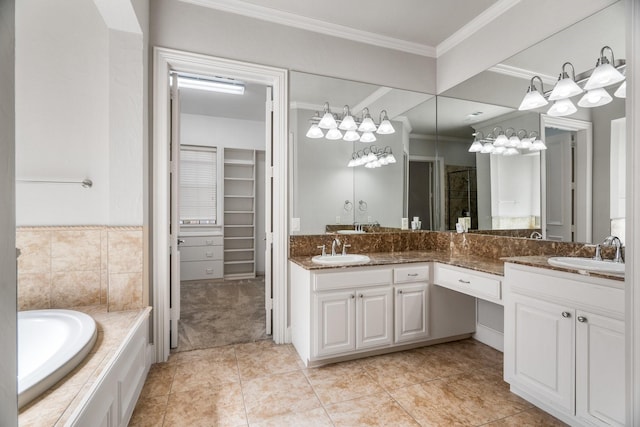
(564, 343)
(411, 293)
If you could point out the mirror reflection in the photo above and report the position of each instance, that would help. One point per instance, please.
(573, 190)
(333, 188)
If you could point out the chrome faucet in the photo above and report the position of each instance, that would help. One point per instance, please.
(336, 242)
(598, 255)
(536, 235)
(614, 241)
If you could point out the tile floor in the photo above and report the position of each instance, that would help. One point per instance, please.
(263, 384)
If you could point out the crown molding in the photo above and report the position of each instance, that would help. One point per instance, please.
(522, 73)
(475, 25)
(310, 24)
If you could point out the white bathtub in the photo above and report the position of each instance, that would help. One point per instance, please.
(50, 344)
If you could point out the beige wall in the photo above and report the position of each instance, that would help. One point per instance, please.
(63, 267)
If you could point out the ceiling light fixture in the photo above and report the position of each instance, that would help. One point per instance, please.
(217, 84)
(355, 130)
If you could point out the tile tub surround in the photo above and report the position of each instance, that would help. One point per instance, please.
(63, 267)
(57, 404)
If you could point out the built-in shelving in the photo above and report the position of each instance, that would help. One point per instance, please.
(239, 213)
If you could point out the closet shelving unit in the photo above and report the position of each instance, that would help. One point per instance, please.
(239, 213)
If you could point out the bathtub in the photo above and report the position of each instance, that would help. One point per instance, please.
(51, 343)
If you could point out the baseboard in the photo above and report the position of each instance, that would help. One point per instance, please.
(489, 336)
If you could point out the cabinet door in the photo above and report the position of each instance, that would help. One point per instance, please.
(540, 346)
(335, 322)
(411, 316)
(600, 369)
(374, 316)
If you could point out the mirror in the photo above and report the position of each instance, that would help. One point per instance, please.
(325, 191)
(580, 177)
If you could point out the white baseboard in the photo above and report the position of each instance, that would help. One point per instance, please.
(489, 336)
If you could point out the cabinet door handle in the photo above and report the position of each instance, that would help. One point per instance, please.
(412, 274)
(566, 314)
(466, 282)
(582, 319)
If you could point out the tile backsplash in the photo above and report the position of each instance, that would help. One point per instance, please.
(61, 267)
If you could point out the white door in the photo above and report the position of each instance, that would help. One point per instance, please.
(560, 186)
(335, 327)
(600, 375)
(411, 312)
(174, 225)
(268, 261)
(543, 351)
(374, 312)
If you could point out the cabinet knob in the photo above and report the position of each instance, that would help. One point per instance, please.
(566, 314)
(399, 291)
(582, 319)
(352, 296)
(361, 296)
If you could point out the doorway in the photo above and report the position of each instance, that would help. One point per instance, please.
(276, 222)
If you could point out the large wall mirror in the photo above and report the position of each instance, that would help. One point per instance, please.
(573, 190)
(327, 189)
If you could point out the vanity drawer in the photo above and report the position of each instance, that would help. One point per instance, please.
(411, 274)
(201, 241)
(473, 283)
(200, 253)
(198, 270)
(352, 278)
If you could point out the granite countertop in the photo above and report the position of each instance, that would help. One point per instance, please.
(485, 265)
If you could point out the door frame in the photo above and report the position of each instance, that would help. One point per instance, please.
(166, 60)
(583, 173)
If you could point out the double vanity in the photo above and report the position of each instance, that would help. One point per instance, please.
(563, 325)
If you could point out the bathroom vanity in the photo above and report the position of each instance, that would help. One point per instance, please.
(564, 343)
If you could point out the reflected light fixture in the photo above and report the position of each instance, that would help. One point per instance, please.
(367, 124)
(347, 123)
(595, 98)
(354, 130)
(476, 146)
(566, 87)
(524, 144)
(385, 127)
(368, 137)
(562, 107)
(327, 121)
(333, 134)
(501, 139)
(604, 74)
(210, 84)
(621, 92)
(372, 157)
(533, 98)
(315, 132)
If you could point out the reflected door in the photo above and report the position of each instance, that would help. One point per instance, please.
(560, 185)
(421, 175)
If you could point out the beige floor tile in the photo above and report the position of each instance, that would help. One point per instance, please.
(338, 382)
(398, 370)
(159, 379)
(312, 418)
(375, 410)
(212, 406)
(278, 395)
(149, 412)
(203, 373)
(265, 358)
(215, 353)
(532, 418)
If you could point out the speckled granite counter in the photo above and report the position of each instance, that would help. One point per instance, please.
(57, 404)
(485, 265)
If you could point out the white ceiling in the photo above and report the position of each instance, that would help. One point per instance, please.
(431, 24)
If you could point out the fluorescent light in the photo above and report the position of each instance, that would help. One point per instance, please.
(221, 86)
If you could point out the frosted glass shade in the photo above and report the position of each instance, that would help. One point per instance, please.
(368, 137)
(501, 141)
(525, 144)
(391, 158)
(533, 99)
(487, 148)
(621, 92)
(511, 152)
(565, 88)
(476, 147)
(367, 125)
(538, 145)
(348, 124)
(385, 128)
(603, 75)
(315, 132)
(351, 135)
(514, 142)
(499, 150)
(334, 134)
(328, 121)
(595, 98)
(562, 107)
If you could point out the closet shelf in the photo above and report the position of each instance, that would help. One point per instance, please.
(239, 212)
(240, 250)
(230, 178)
(237, 196)
(239, 162)
(250, 261)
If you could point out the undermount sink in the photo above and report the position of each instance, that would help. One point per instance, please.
(590, 264)
(350, 232)
(340, 259)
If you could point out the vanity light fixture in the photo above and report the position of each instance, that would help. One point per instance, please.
(371, 157)
(354, 130)
(604, 74)
(533, 98)
(517, 143)
(566, 87)
(595, 98)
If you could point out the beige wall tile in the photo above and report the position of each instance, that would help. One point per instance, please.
(125, 291)
(35, 247)
(104, 248)
(125, 251)
(34, 290)
(104, 286)
(70, 289)
(75, 250)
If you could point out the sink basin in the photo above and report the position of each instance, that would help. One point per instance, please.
(350, 232)
(588, 264)
(340, 259)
